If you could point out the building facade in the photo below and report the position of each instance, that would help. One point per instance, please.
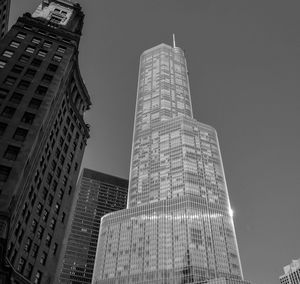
(97, 194)
(291, 273)
(178, 225)
(4, 17)
(42, 135)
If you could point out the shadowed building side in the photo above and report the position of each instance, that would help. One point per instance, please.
(43, 136)
(4, 17)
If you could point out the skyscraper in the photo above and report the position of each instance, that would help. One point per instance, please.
(97, 194)
(4, 16)
(291, 273)
(42, 136)
(178, 225)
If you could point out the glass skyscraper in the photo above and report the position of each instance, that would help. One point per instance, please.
(178, 226)
(97, 194)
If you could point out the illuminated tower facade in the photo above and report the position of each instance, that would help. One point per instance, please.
(291, 273)
(42, 136)
(178, 226)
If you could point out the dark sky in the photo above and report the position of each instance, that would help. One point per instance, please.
(244, 64)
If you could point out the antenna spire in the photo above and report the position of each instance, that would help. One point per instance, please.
(174, 43)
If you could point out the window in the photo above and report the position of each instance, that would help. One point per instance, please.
(41, 90)
(66, 147)
(52, 224)
(61, 194)
(20, 134)
(36, 40)
(21, 236)
(16, 98)
(62, 159)
(17, 228)
(17, 69)
(36, 62)
(14, 44)
(3, 93)
(11, 153)
(24, 209)
(68, 168)
(54, 249)
(49, 178)
(33, 226)
(48, 240)
(56, 208)
(45, 215)
(40, 232)
(21, 35)
(43, 258)
(28, 118)
(42, 32)
(45, 193)
(55, 20)
(4, 173)
(28, 245)
(10, 81)
(27, 216)
(50, 199)
(8, 112)
(3, 63)
(57, 58)
(39, 209)
(35, 250)
(65, 180)
(21, 265)
(54, 185)
(24, 85)
(47, 79)
(42, 53)
(24, 58)
(61, 49)
(33, 199)
(28, 270)
(47, 44)
(35, 103)
(27, 27)
(8, 53)
(38, 277)
(13, 257)
(2, 128)
(52, 67)
(30, 49)
(63, 216)
(30, 73)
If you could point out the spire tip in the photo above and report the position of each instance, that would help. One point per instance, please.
(174, 43)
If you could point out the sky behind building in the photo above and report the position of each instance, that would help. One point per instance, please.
(243, 59)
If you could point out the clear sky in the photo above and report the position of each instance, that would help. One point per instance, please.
(244, 65)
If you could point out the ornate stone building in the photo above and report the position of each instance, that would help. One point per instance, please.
(43, 136)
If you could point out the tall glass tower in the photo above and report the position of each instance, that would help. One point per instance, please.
(178, 226)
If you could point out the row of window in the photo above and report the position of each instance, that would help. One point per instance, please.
(42, 53)
(36, 40)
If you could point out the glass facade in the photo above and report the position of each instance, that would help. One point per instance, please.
(178, 226)
(291, 273)
(97, 194)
